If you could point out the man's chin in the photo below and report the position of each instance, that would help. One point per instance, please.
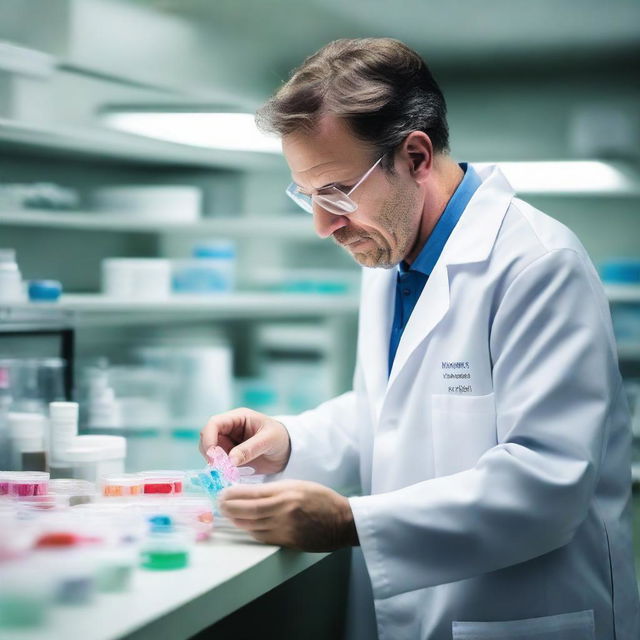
(371, 259)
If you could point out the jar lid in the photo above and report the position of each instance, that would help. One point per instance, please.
(63, 410)
(221, 249)
(44, 290)
(95, 448)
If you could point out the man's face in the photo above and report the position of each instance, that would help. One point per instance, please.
(384, 228)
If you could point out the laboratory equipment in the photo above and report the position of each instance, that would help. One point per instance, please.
(93, 456)
(28, 483)
(136, 278)
(11, 285)
(76, 491)
(163, 482)
(181, 203)
(63, 429)
(25, 595)
(27, 438)
(44, 290)
(122, 486)
(166, 547)
(211, 270)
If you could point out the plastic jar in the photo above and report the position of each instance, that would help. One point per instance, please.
(162, 482)
(124, 485)
(63, 424)
(4, 482)
(137, 278)
(115, 566)
(11, 287)
(92, 457)
(27, 432)
(28, 483)
(25, 595)
(166, 547)
(211, 270)
(76, 491)
(197, 514)
(49, 502)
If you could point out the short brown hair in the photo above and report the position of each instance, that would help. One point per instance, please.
(379, 86)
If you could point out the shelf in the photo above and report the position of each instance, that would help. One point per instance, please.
(623, 292)
(629, 350)
(97, 310)
(100, 142)
(288, 226)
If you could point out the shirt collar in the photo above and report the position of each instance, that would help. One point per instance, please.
(432, 249)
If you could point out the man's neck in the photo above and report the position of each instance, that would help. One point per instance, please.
(447, 177)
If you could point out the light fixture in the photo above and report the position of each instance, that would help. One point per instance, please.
(224, 131)
(568, 177)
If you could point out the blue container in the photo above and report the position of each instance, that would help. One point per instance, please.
(44, 290)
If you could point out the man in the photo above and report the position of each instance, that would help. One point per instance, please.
(487, 426)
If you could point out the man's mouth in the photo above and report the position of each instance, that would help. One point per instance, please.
(348, 242)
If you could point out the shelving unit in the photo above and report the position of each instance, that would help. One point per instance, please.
(623, 293)
(84, 310)
(289, 226)
(104, 143)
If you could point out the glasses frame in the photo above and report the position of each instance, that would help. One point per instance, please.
(334, 200)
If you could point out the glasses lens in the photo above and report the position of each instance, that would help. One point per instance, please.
(336, 202)
(302, 200)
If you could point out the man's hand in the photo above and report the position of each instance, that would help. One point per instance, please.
(248, 437)
(291, 513)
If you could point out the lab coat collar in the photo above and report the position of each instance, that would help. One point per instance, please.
(471, 241)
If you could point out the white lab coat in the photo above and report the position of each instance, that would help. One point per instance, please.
(494, 461)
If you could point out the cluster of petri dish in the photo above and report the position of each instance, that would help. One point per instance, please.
(65, 541)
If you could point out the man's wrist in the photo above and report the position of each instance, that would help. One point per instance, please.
(349, 531)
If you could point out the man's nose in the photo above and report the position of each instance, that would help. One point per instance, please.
(326, 223)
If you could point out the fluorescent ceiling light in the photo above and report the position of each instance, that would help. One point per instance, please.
(228, 131)
(581, 176)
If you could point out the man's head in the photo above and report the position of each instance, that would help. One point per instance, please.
(348, 105)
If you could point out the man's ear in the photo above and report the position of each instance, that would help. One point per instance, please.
(418, 152)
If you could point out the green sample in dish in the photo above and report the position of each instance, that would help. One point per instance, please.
(162, 560)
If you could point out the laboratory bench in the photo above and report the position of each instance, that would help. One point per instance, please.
(234, 588)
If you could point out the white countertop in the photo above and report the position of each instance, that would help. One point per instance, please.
(225, 573)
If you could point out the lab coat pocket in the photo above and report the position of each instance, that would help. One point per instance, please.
(463, 428)
(578, 625)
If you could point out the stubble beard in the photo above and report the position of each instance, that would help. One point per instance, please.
(395, 218)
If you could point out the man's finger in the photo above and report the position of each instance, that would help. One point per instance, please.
(251, 491)
(262, 526)
(251, 509)
(250, 449)
(232, 424)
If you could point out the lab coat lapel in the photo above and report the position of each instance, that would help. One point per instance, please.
(471, 241)
(429, 310)
(376, 316)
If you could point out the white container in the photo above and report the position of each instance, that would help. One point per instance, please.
(63, 429)
(92, 457)
(27, 435)
(136, 278)
(178, 203)
(11, 286)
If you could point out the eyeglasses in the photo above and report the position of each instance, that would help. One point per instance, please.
(331, 199)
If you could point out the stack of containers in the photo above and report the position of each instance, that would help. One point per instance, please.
(27, 437)
(63, 429)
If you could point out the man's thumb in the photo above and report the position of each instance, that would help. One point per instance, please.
(241, 454)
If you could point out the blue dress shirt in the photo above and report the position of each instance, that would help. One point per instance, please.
(412, 279)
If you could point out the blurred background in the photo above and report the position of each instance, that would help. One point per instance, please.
(132, 182)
